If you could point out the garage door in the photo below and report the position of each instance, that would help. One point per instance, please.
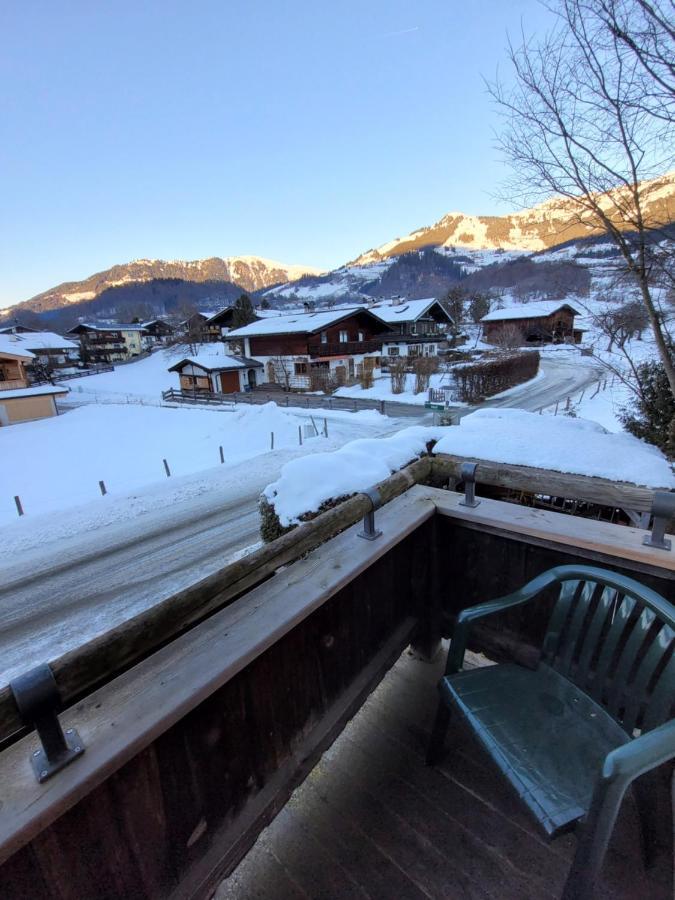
(229, 382)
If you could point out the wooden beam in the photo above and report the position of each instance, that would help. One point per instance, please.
(107, 655)
(546, 481)
(126, 715)
(552, 529)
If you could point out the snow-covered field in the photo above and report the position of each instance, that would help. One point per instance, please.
(63, 459)
(146, 378)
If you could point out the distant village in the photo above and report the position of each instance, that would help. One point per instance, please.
(309, 350)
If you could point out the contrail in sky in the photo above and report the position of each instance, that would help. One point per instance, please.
(404, 31)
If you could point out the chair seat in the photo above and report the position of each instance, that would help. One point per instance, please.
(547, 737)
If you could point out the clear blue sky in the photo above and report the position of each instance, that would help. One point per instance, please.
(302, 131)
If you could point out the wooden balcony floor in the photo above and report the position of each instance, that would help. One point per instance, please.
(372, 821)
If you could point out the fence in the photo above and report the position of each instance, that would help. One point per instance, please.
(304, 401)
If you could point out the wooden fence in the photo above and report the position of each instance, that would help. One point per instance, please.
(281, 398)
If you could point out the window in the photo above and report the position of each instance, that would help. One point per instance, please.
(362, 336)
(430, 350)
(301, 368)
(344, 337)
(413, 328)
(393, 351)
(324, 337)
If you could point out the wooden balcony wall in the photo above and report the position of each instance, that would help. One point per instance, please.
(192, 750)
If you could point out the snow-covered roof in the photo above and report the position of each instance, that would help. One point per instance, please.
(33, 391)
(296, 323)
(10, 343)
(44, 340)
(213, 357)
(528, 311)
(407, 311)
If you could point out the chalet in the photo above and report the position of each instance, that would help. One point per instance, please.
(157, 331)
(419, 327)
(547, 322)
(50, 351)
(19, 402)
(110, 343)
(212, 369)
(305, 350)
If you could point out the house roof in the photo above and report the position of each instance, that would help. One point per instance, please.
(12, 345)
(111, 326)
(539, 310)
(214, 358)
(300, 323)
(33, 391)
(407, 311)
(44, 340)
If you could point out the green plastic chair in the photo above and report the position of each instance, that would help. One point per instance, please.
(573, 734)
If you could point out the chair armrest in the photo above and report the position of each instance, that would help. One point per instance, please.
(467, 616)
(641, 754)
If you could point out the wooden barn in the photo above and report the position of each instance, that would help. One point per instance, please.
(548, 322)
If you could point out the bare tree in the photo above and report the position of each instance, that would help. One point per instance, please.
(586, 121)
(508, 337)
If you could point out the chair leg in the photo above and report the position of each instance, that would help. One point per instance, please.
(440, 729)
(596, 832)
(643, 791)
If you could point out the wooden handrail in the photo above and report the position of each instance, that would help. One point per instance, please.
(83, 669)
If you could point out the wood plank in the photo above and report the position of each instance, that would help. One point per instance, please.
(551, 529)
(234, 840)
(100, 659)
(119, 720)
(549, 482)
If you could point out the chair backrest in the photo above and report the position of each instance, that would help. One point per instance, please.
(614, 638)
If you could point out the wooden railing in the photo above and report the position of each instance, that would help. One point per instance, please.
(224, 695)
(12, 384)
(345, 348)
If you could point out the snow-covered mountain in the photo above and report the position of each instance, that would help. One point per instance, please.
(539, 228)
(250, 273)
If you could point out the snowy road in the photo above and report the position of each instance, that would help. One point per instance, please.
(562, 378)
(58, 592)
(61, 592)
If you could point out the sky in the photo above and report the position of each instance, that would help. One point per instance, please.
(300, 131)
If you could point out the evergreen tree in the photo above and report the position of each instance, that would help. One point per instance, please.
(243, 313)
(265, 303)
(652, 416)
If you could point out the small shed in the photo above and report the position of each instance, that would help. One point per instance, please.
(212, 370)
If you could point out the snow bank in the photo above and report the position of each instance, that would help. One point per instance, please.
(305, 484)
(560, 443)
(60, 460)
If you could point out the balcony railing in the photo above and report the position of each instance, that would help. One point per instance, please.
(279, 650)
(345, 348)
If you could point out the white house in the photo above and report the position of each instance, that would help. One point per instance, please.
(418, 327)
(211, 368)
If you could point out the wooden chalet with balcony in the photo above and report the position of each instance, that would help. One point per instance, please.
(418, 327)
(303, 350)
(545, 322)
(19, 400)
(314, 661)
(110, 343)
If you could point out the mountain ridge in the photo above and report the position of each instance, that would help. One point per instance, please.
(249, 273)
(541, 227)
